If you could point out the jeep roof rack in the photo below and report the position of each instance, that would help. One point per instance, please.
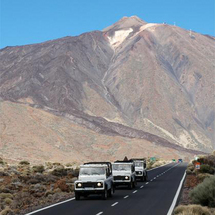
(107, 163)
(139, 159)
(128, 161)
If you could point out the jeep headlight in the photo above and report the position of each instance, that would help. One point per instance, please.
(99, 184)
(79, 184)
(126, 177)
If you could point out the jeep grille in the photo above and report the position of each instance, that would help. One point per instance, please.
(119, 177)
(89, 184)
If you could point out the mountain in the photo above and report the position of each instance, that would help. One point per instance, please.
(134, 80)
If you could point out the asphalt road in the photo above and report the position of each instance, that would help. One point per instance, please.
(148, 198)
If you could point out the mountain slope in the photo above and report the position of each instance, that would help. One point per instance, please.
(170, 77)
(32, 134)
(133, 79)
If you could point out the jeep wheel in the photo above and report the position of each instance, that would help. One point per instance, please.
(143, 178)
(114, 188)
(110, 192)
(105, 194)
(77, 196)
(146, 177)
(130, 186)
(135, 183)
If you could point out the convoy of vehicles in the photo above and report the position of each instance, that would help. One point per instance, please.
(103, 177)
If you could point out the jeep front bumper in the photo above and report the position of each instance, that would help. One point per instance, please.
(121, 180)
(89, 187)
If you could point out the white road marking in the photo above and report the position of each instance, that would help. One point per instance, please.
(125, 197)
(100, 213)
(147, 182)
(176, 196)
(50, 206)
(114, 204)
(154, 177)
(135, 191)
(141, 187)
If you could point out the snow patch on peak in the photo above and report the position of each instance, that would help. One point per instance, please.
(148, 25)
(119, 37)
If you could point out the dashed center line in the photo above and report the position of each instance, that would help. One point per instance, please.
(141, 186)
(100, 213)
(125, 197)
(147, 182)
(135, 191)
(114, 204)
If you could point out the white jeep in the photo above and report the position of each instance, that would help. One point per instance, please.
(124, 174)
(140, 169)
(94, 178)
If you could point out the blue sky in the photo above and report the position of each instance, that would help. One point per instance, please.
(33, 21)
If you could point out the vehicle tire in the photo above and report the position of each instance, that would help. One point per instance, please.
(135, 182)
(105, 194)
(143, 178)
(146, 177)
(130, 186)
(77, 196)
(110, 192)
(114, 187)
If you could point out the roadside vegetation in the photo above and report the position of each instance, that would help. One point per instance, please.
(155, 163)
(198, 194)
(25, 187)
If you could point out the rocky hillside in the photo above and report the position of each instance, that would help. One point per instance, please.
(152, 82)
(38, 136)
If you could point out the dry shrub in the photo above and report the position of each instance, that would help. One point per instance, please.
(7, 211)
(49, 165)
(1, 161)
(204, 193)
(38, 168)
(201, 177)
(206, 168)
(8, 201)
(24, 163)
(6, 195)
(190, 169)
(62, 185)
(191, 210)
(59, 172)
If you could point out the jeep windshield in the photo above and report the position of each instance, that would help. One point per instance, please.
(121, 167)
(138, 164)
(92, 171)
